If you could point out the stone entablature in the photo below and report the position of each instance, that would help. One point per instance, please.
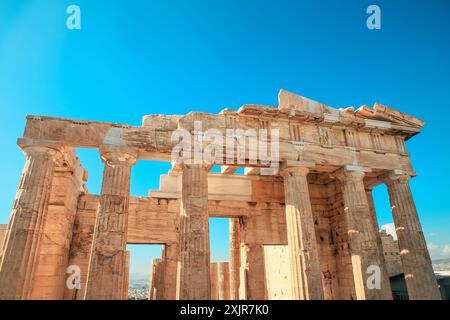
(315, 212)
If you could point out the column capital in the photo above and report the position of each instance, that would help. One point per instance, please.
(399, 176)
(351, 172)
(178, 167)
(49, 148)
(118, 156)
(296, 168)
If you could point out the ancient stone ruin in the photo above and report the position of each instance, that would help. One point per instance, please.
(307, 231)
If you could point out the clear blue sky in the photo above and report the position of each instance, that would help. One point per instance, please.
(133, 58)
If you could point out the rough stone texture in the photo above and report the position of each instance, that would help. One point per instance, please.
(156, 288)
(235, 257)
(50, 275)
(80, 249)
(108, 256)
(220, 281)
(362, 236)
(3, 229)
(391, 254)
(214, 281)
(193, 282)
(253, 277)
(126, 276)
(170, 258)
(224, 281)
(416, 262)
(26, 226)
(331, 219)
(302, 244)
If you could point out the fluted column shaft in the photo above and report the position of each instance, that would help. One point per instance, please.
(304, 260)
(386, 288)
(108, 256)
(235, 257)
(26, 225)
(416, 262)
(361, 237)
(193, 280)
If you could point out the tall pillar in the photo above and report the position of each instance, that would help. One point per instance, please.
(365, 255)
(170, 258)
(416, 262)
(126, 276)
(253, 274)
(224, 280)
(26, 225)
(302, 245)
(214, 281)
(383, 267)
(193, 279)
(235, 257)
(49, 280)
(108, 255)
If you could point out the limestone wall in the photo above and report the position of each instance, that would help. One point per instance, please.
(391, 254)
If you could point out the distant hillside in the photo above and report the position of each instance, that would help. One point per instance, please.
(441, 264)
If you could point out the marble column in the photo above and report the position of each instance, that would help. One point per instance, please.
(26, 225)
(235, 257)
(253, 273)
(193, 278)
(419, 276)
(302, 245)
(126, 276)
(383, 268)
(366, 259)
(108, 254)
(214, 281)
(224, 281)
(170, 258)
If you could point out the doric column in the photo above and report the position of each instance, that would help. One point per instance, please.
(126, 276)
(365, 255)
(302, 245)
(193, 280)
(416, 262)
(214, 281)
(253, 273)
(235, 257)
(170, 258)
(383, 267)
(224, 281)
(21, 246)
(108, 255)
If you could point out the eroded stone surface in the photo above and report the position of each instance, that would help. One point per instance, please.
(318, 208)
